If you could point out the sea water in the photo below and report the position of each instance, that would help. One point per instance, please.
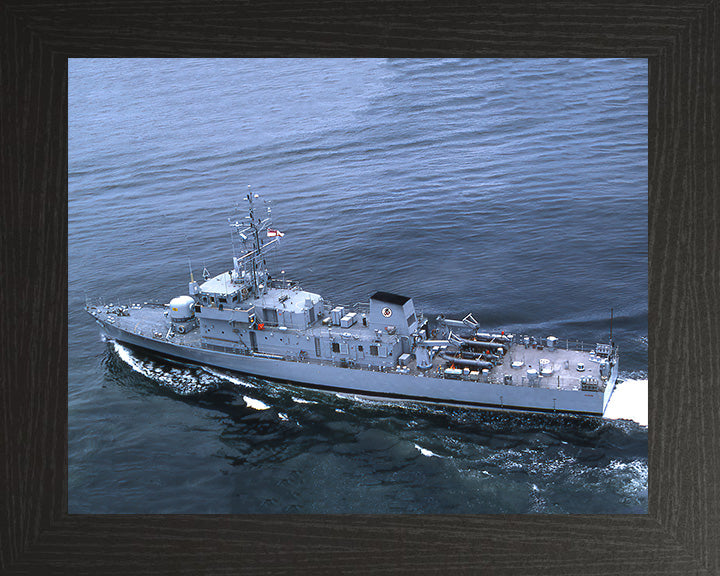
(512, 189)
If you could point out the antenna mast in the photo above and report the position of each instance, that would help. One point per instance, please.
(256, 246)
(251, 234)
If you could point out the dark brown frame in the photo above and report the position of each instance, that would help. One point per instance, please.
(681, 533)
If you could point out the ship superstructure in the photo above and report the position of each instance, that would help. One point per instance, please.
(247, 321)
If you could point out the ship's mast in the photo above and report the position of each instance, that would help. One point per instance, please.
(256, 246)
(250, 268)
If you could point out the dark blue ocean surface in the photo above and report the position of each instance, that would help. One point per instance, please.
(512, 189)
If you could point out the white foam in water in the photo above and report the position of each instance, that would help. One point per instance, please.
(229, 378)
(255, 404)
(426, 452)
(301, 401)
(180, 381)
(629, 401)
(632, 478)
(130, 360)
(369, 400)
(283, 417)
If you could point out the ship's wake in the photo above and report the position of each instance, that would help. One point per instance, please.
(629, 401)
(183, 380)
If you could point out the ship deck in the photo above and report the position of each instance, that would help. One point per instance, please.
(564, 362)
(149, 321)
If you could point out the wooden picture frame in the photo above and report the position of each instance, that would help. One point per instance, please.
(681, 532)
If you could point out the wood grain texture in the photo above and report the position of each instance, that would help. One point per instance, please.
(680, 535)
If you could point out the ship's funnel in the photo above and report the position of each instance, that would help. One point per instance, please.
(387, 309)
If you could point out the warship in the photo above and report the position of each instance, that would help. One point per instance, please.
(246, 321)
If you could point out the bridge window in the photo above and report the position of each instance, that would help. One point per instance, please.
(271, 316)
(373, 350)
(335, 347)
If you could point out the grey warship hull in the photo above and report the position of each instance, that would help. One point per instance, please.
(245, 321)
(377, 384)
